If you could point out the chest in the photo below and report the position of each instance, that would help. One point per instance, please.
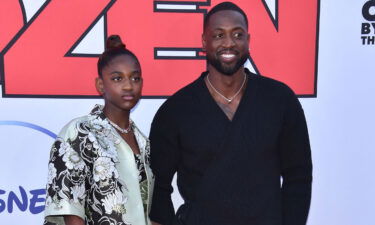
(132, 142)
(255, 129)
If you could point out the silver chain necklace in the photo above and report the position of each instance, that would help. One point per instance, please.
(229, 100)
(122, 130)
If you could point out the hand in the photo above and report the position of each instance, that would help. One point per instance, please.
(73, 220)
(155, 223)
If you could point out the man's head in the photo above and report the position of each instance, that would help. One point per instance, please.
(224, 6)
(225, 38)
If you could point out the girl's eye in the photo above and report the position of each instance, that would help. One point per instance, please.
(219, 35)
(117, 79)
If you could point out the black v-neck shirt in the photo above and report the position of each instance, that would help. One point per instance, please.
(229, 171)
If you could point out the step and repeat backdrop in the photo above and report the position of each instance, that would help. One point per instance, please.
(324, 50)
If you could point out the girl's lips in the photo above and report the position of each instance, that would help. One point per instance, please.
(128, 97)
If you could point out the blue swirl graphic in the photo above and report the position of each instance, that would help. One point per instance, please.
(28, 125)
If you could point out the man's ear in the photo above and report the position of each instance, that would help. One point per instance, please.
(99, 85)
(248, 40)
(204, 43)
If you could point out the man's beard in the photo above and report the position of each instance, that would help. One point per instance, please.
(227, 69)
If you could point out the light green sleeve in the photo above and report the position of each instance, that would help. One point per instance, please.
(64, 197)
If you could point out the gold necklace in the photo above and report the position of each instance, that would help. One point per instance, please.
(229, 100)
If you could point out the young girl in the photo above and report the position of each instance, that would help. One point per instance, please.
(99, 170)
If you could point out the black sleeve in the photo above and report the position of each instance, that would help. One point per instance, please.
(296, 165)
(164, 161)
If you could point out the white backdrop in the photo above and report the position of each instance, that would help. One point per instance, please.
(340, 121)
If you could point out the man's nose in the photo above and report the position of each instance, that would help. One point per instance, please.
(228, 42)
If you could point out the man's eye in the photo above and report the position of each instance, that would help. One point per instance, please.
(136, 79)
(238, 35)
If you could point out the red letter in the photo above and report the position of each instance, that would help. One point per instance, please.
(35, 64)
(144, 30)
(283, 48)
(287, 53)
(11, 21)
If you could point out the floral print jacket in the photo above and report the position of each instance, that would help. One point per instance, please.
(93, 174)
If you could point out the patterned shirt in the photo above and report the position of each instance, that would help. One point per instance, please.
(93, 174)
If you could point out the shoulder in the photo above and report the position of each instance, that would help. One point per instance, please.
(186, 93)
(181, 100)
(271, 89)
(271, 85)
(173, 111)
(70, 130)
(83, 126)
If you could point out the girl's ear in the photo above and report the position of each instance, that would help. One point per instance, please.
(99, 85)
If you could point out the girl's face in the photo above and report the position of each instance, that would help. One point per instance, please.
(121, 83)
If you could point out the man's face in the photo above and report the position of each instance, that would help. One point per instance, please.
(226, 41)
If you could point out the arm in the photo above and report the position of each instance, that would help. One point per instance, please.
(164, 162)
(155, 223)
(66, 191)
(296, 165)
(73, 220)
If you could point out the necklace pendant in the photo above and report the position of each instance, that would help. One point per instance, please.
(229, 100)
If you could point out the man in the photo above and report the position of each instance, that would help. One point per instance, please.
(230, 136)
